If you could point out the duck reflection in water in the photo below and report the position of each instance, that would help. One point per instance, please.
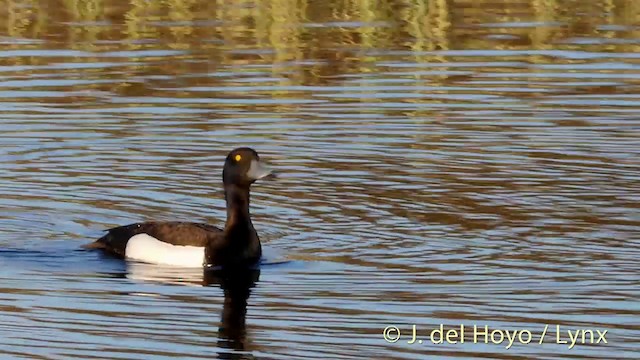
(236, 285)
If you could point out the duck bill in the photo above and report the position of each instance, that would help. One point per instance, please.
(258, 171)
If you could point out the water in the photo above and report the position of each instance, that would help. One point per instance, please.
(442, 163)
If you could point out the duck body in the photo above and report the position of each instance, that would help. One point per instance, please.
(169, 243)
(189, 244)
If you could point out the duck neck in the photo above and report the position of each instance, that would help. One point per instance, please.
(239, 244)
(237, 198)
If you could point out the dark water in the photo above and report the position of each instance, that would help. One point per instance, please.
(450, 163)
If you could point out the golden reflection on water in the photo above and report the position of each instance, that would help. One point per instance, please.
(288, 28)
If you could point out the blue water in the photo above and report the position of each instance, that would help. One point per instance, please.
(441, 163)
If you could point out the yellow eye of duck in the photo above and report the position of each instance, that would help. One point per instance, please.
(238, 157)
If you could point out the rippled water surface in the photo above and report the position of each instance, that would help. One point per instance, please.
(442, 162)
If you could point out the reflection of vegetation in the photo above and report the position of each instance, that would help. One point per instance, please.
(277, 24)
(337, 36)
